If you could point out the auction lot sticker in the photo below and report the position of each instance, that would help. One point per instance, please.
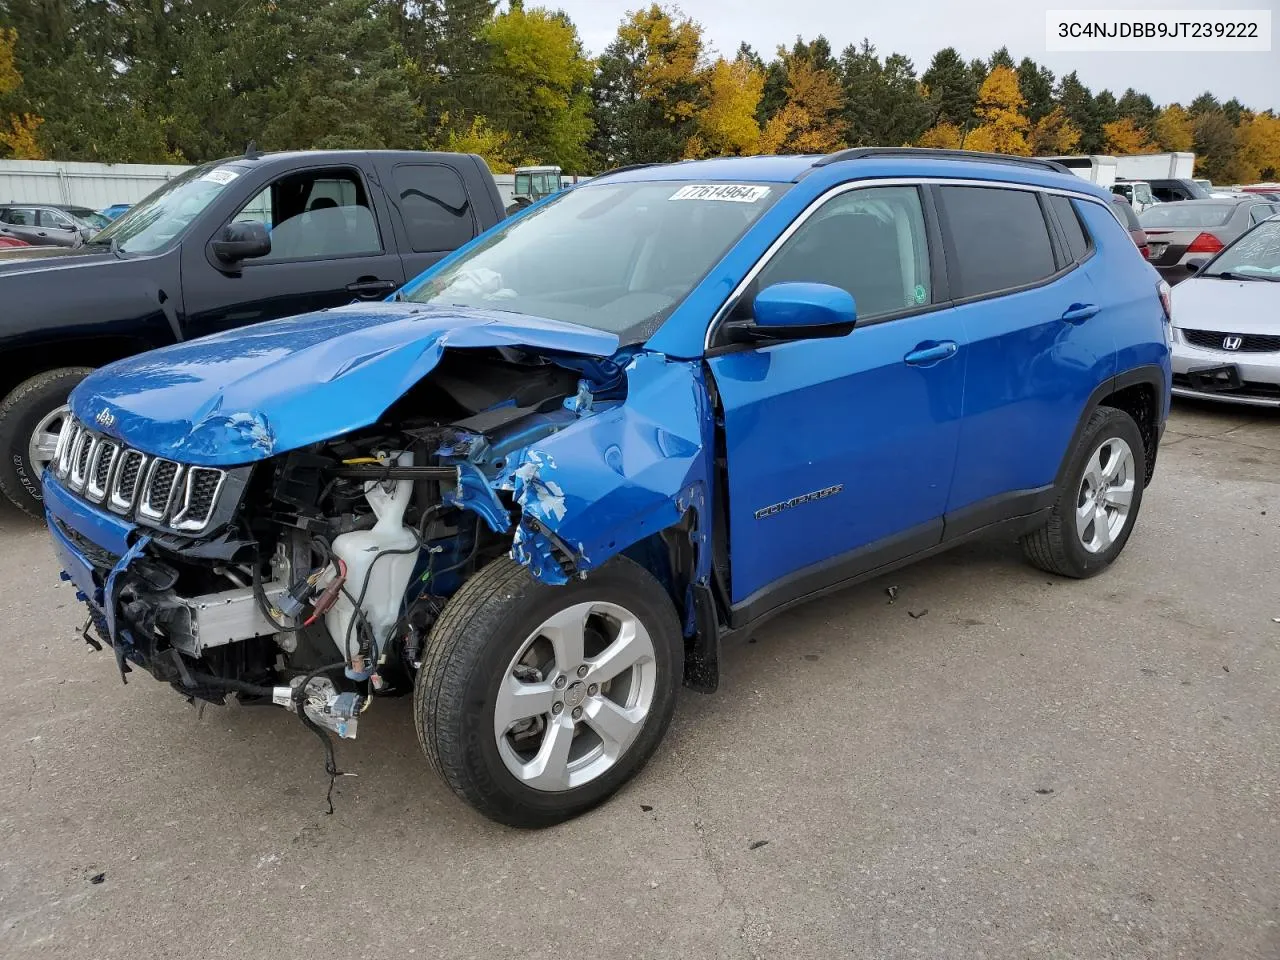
(729, 192)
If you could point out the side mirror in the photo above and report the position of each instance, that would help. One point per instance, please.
(797, 311)
(242, 241)
(1194, 266)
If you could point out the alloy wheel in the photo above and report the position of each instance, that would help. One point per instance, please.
(575, 696)
(44, 438)
(1106, 495)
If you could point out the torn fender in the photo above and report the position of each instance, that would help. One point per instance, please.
(617, 475)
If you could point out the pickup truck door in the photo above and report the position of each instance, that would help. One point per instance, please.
(330, 245)
(839, 451)
(432, 210)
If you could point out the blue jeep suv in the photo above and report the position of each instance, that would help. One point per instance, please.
(540, 485)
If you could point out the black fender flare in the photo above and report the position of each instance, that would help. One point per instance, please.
(1149, 374)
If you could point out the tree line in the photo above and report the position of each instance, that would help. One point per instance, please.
(193, 80)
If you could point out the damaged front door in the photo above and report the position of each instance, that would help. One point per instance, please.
(840, 451)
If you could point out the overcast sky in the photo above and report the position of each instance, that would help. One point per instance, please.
(918, 28)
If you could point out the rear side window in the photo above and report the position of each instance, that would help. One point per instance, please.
(19, 217)
(1000, 239)
(1072, 228)
(434, 204)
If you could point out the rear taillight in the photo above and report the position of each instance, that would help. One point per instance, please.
(1144, 250)
(1205, 243)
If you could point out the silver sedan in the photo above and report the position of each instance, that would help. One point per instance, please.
(1226, 320)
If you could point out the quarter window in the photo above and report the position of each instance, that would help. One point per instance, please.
(1000, 239)
(869, 242)
(1072, 228)
(434, 204)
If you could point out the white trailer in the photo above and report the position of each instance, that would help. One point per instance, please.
(1092, 167)
(1156, 166)
(93, 185)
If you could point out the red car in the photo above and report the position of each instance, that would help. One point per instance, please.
(12, 242)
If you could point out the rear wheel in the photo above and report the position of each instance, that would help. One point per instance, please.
(535, 703)
(1097, 502)
(31, 417)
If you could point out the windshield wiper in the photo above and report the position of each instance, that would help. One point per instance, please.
(1229, 275)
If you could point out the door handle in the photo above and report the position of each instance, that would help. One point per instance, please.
(1079, 312)
(930, 352)
(371, 287)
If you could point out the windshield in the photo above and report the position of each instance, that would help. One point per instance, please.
(1256, 254)
(90, 218)
(617, 257)
(151, 223)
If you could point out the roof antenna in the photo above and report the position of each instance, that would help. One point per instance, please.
(251, 152)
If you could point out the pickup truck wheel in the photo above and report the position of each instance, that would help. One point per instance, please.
(30, 418)
(1097, 502)
(536, 702)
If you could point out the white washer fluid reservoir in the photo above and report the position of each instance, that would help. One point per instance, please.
(365, 552)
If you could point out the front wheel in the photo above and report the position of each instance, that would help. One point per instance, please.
(1097, 501)
(30, 418)
(534, 702)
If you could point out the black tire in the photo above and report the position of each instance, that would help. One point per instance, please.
(1056, 547)
(22, 410)
(468, 652)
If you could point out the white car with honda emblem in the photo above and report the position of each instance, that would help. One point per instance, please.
(1226, 322)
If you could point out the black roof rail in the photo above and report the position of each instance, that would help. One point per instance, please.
(630, 166)
(929, 153)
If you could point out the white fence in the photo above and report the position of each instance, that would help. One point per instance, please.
(93, 185)
(98, 185)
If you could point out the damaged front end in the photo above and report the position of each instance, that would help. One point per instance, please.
(311, 576)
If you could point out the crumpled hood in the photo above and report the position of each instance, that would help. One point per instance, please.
(249, 394)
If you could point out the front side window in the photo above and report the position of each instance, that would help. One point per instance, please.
(1000, 238)
(55, 219)
(869, 242)
(434, 205)
(613, 256)
(315, 215)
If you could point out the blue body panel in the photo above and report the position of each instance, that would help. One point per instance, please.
(803, 417)
(248, 394)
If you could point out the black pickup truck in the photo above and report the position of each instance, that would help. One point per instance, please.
(225, 244)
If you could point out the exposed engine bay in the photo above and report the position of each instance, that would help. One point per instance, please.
(319, 583)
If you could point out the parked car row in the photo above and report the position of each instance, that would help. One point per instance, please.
(1195, 229)
(49, 224)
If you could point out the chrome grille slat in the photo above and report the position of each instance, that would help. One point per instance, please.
(80, 457)
(125, 485)
(104, 458)
(129, 482)
(159, 488)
